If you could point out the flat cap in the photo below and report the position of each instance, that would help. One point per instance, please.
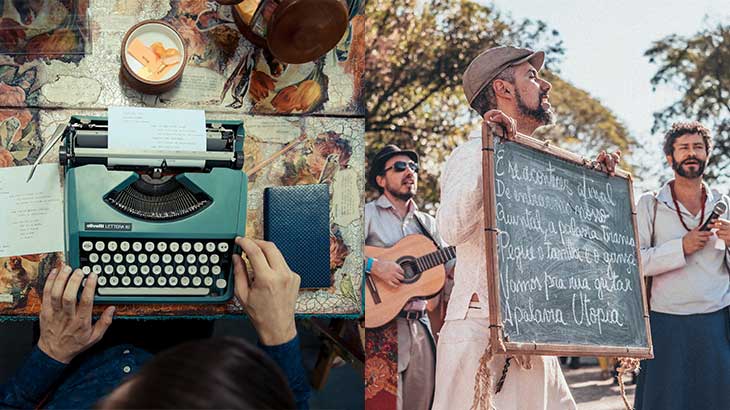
(487, 65)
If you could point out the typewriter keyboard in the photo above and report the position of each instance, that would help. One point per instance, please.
(151, 268)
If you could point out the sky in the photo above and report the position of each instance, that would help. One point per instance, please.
(605, 41)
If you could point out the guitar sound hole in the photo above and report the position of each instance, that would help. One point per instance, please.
(410, 269)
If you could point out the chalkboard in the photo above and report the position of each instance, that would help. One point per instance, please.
(562, 240)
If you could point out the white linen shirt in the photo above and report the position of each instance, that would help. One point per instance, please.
(460, 220)
(698, 283)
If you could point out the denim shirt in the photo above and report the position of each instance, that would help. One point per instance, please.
(80, 385)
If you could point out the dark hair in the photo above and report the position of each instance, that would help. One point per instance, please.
(219, 373)
(683, 128)
(487, 100)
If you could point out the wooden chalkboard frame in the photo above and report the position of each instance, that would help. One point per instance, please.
(496, 332)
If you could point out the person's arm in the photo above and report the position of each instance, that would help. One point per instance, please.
(32, 382)
(66, 331)
(460, 211)
(269, 295)
(660, 258)
(289, 358)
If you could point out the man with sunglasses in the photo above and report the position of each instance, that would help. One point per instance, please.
(394, 173)
(502, 84)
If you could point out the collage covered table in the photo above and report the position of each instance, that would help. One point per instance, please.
(64, 60)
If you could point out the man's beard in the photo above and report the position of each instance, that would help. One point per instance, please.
(677, 166)
(403, 196)
(543, 116)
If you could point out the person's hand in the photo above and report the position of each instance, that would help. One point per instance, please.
(387, 271)
(500, 118)
(269, 293)
(695, 240)
(606, 162)
(723, 229)
(66, 328)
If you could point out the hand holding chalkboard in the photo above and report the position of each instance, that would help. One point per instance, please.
(500, 124)
(561, 242)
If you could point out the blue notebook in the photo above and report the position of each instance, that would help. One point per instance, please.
(296, 219)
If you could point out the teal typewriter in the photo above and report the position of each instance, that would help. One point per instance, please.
(154, 233)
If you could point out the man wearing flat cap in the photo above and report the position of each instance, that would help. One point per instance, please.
(394, 173)
(503, 85)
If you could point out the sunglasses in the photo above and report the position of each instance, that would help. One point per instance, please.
(400, 166)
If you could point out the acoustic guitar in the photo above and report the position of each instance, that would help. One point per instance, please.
(424, 276)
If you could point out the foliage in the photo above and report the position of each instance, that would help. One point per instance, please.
(417, 52)
(699, 67)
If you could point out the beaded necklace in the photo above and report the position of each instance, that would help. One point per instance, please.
(676, 206)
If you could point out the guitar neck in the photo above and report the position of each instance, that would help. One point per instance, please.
(439, 257)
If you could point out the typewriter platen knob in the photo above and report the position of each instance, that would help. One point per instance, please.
(239, 160)
(62, 155)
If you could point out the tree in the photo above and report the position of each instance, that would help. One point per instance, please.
(699, 67)
(417, 52)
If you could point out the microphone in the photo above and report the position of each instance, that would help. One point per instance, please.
(720, 209)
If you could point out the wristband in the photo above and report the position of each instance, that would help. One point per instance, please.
(369, 265)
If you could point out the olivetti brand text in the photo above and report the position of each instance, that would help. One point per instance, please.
(107, 226)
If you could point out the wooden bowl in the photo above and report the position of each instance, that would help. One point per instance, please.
(149, 32)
